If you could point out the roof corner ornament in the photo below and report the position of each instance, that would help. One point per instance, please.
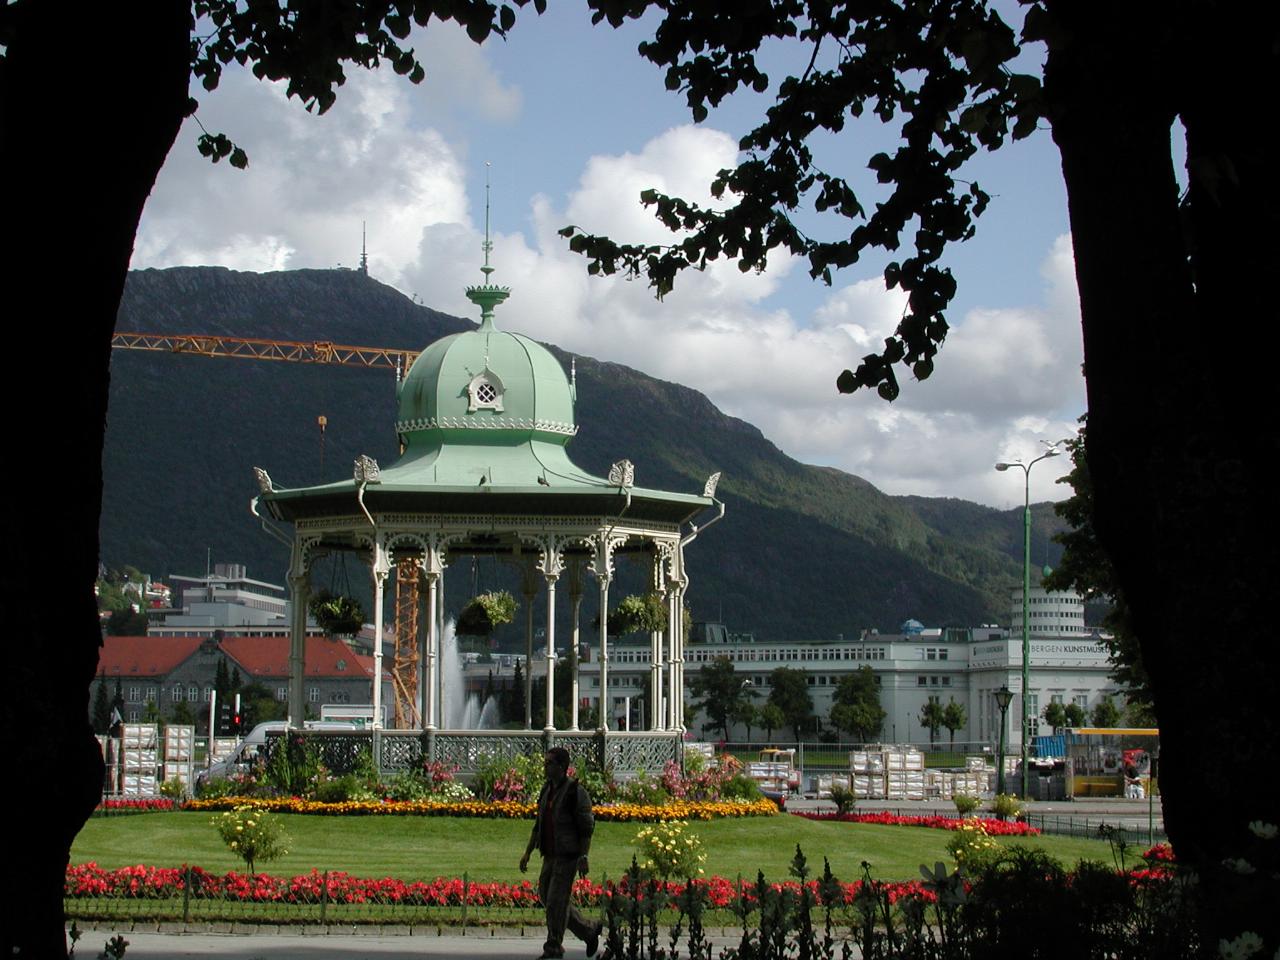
(264, 480)
(709, 489)
(622, 474)
(366, 470)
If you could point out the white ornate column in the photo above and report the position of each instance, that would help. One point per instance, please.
(656, 713)
(431, 640)
(602, 547)
(380, 569)
(300, 588)
(529, 593)
(551, 565)
(575, 604)
(677, 586)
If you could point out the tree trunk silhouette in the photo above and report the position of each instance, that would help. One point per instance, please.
(1179, 328)
(87, 113)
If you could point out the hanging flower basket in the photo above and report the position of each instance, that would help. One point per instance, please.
(337, 615)
(638, 614)
(484, 612)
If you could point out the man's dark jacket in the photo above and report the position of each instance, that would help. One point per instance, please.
(571, 820)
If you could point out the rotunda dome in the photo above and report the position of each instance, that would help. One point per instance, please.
(485, 380)
(484, 385)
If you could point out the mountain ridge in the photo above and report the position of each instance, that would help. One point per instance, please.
(804, 551)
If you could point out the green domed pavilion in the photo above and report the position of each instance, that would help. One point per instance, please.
(484, 419)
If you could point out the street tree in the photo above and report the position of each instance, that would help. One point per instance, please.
(855, 705)
(1105, 713)
(954, 717)
(931, 715)
(745, 714)
(101, 709)
(772, 718)
(789, 692)
(1074, 715)
(1055, 715)
(719, 690)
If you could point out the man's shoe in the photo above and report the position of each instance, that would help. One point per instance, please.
(593, 940)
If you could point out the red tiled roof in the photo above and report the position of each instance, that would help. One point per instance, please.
(269, 657)
(144, 656)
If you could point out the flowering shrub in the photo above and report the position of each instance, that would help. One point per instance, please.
(670, 849)
(721, 779)
(972, 847)
(252, 833)
(994, 828)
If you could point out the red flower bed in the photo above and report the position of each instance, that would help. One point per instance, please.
(994, 828)
(138, 803)
(142, 883)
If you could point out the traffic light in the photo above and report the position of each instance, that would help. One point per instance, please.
(223, 724)
(237, 718)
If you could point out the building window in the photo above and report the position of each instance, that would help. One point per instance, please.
(922, 681)
(313, 694)
(942, 654)
(208, 694)
(151, 694)
(176, 693)
(193, 693)
(134, 694)
(946, 681)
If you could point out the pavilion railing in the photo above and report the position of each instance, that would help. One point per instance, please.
(469, 750)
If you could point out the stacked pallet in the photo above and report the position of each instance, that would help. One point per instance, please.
(770, 775)
(140, 757)
(179, 753)
(888, 772)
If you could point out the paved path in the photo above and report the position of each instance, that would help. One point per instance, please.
(315, 944)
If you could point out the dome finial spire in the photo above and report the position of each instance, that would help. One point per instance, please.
(487, 296)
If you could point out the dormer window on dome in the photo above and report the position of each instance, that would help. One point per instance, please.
(484, 392)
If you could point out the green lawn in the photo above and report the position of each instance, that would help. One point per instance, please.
(413, 848)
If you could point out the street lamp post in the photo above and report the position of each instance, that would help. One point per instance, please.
(1026, 600)
(1003, 696)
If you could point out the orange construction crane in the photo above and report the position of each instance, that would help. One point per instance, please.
(404, 667)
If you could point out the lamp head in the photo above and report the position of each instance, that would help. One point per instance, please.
(1002, 467)
(1003, 697)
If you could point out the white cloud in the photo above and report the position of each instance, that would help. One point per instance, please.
(312, 180)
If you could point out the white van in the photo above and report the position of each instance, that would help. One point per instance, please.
(242, 759)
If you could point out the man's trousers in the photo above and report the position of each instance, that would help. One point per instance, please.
(555, 889)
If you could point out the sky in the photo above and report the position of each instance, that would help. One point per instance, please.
(569, 125)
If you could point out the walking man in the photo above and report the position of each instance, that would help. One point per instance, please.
(562, 834)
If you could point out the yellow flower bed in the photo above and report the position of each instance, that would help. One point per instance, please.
(649, 813)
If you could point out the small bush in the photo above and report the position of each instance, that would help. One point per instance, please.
(972, 848)
(965, 803)
(173, 789)
(1006, 807)
(844, 799)
(253, 835)
(670, 850)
